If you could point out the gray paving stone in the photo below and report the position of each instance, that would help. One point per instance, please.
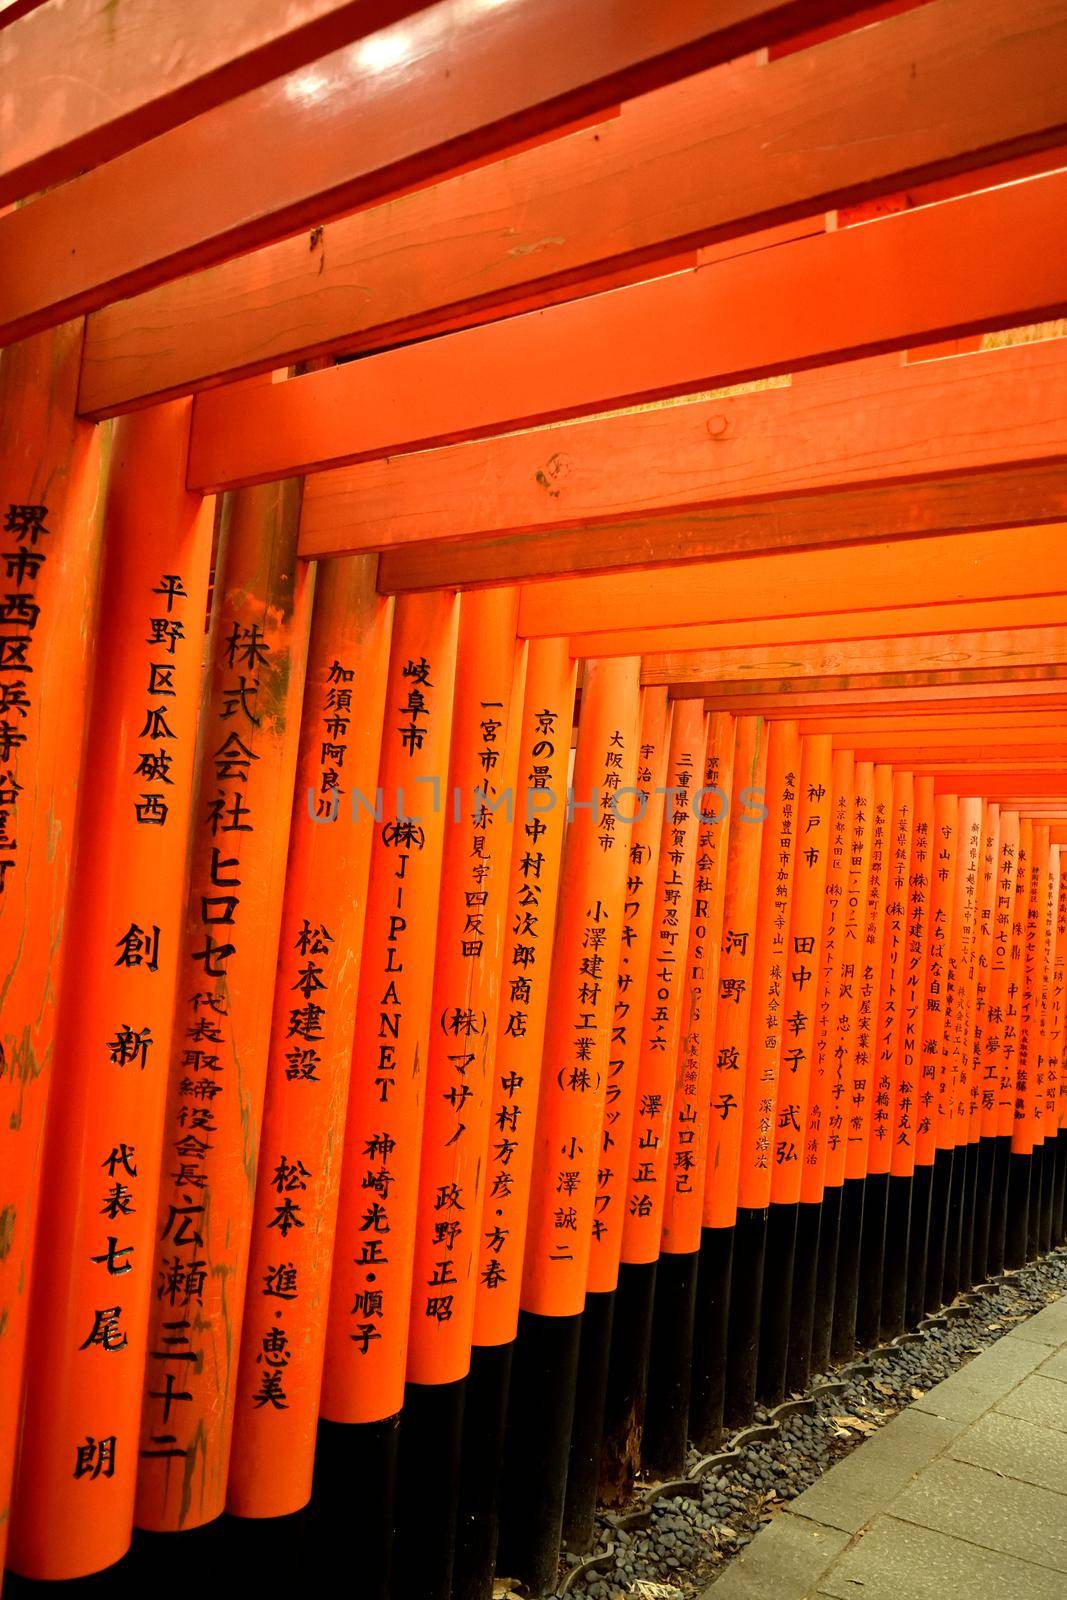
(787, 1560)
(974, 1388)
(970, 1503)
(1038, 1399)
(861, 1485)
(1015, 1449)
(1055, 1366)
(899, 1561)
(1045, 1327)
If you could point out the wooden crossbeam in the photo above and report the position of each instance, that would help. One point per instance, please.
(1011, 790)
(789, 697)
(949, 569)
(728, 322)
(864, 658)
(922, 721)
(82, 84)
(854, 428)
(719, 155)
(803, 701)
(1037, 742)
(985, 617)
(456, 83)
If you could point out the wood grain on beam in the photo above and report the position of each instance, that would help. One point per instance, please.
(83, 81)
(973, 617)
(807, 304)
(955, 85)
(891, 688)
(857, 426)
(1008, 497)
(949, 569)
(456, 83)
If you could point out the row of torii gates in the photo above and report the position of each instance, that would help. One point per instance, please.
(532, 771)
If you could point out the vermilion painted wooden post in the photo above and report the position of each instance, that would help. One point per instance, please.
(794, 1221)
(307, 1082)
(815, 1189)
(51, 521)
(533, 890)
(932, 1132)
(955, 1047)
(1060, 992)
(843, 1335)
(644, 837)
(912, 1143)
(243, 805)
(74, 1500)
(748, 1309)
(667, 1412)
(979, 1159)
(733, 1000)
(370, 1291)
(865, 1070)
(1000, 1044)
(1047, 1088)
(887, 1042)
(566, 1151)
(1018, 1058)
(460, 1067)
(645, 1156)
(1026, 1139)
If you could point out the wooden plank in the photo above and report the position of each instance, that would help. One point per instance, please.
(891, 688)
(456, 83)
(776, 311)
(1008, 497)
(83, 82)
(804, 701)
(1031, 647)
(722, 154)
(949, 569)
(858, 426)
(924, 721)
(974, 617)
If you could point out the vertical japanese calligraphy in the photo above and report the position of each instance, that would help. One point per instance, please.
(533, 890)
(366, 1337)
(75, 1493)
(581, 996)
(734, 994)
(688, 1155)
(466, 992)
(51, 504)
(249, 735)
(643, 839)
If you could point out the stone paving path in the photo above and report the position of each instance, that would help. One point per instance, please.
(962, 1494)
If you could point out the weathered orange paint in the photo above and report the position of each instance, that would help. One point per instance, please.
(96, 1225)
(845, 997)
(729, 1080)
(886, 1031)
(307, 1084)
(581, 995)
(48, 460)
(460, 1063)
(868, 980)
(687, 1166)
(912, 1101)
(828, 979)
(249, 734)
(644, 839)
(801, 966)
(533, 893)
(932, 1074)
(660, 1021)
(766, 1027)
(366, 1336)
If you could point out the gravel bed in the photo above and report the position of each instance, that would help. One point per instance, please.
(691, 1538)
